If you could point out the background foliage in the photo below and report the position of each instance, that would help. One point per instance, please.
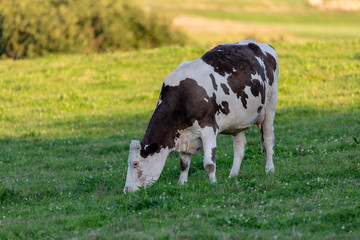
(33, 28)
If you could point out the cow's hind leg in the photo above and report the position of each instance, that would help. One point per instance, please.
(185, 160)
(267, 133)
(209, 144)
(239, 142)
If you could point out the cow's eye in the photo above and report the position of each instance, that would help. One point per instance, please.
(135, 164)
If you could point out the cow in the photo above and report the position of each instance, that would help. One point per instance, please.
(229, 89)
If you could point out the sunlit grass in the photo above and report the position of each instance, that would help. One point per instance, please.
(58, 94)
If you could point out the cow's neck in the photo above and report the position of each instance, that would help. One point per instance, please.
(161, 130)
(169, 119)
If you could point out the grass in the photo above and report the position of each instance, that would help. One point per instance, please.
(66, 122)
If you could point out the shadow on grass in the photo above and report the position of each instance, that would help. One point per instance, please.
(36, 167)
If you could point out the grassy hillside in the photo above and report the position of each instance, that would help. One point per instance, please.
(263, 20)
(66, 122)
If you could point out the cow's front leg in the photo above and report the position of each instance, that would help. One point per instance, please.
(239, 141)
(185, 160)
(209, 145)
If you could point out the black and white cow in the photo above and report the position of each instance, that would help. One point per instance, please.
(227, 90)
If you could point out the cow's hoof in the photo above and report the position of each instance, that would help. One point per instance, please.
(213, 179)
(270, 170)
(182, 182)
(232, 175)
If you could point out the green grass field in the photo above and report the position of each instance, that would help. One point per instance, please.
(66, 122)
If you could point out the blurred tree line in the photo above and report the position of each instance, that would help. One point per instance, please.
(30, 28)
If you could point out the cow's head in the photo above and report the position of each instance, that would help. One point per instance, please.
(145, 165)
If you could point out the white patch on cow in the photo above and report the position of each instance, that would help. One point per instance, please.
(134, 145)
(234, 70)
(257, 76)
(160, 101)
(248, 92)
(246, 42)
(189, 140)
(261, 62)
(267, 49)
(208, 137)
(206, 100)
(180, 73)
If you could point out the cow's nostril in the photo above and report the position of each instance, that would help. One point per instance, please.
(126, 190)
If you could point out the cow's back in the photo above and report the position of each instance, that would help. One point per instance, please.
(237, 79)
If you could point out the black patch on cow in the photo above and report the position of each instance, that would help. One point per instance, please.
(210, 168)
(224, 107)
(213, 81)
(181, 106)
(149, 149)
(259, 109)
(255, 48)
(183, 165)
(270, 64)
(225, 89)
(239, 62)
(256, 89)
(213, 153)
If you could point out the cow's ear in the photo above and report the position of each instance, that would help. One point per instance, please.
(148, 149)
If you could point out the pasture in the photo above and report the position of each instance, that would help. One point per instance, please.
(66, 122)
